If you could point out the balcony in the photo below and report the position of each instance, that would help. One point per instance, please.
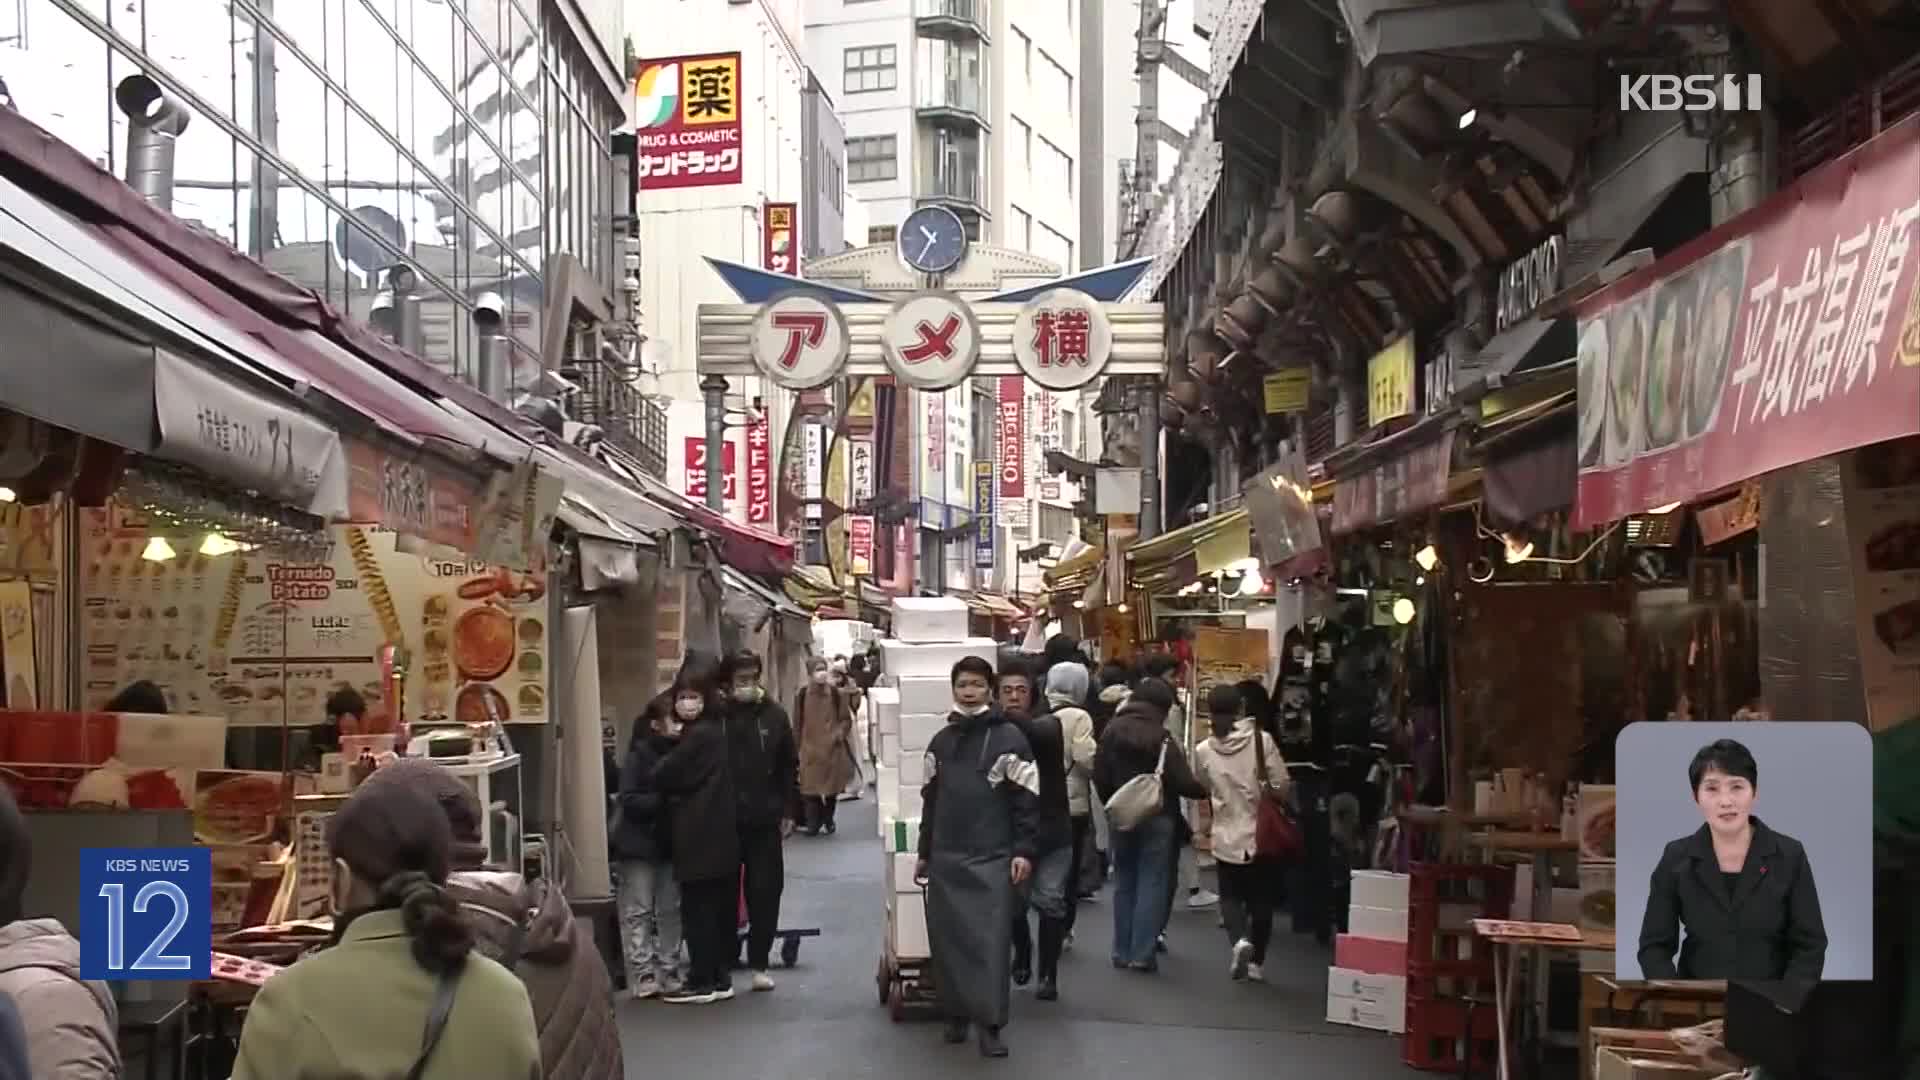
(953, 102)
(956, 184)
(953, 20)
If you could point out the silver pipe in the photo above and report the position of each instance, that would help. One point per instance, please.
(155, 123)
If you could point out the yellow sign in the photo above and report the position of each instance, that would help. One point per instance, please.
(710, 90)
(1390, 382)
(1286, 391)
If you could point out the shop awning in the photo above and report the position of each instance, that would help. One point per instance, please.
(737, 582)
(1391, 478)
(743, 547)
(1074, 571)
(590, 522)
(993, 605)
(1529, 458)
(1186, 553)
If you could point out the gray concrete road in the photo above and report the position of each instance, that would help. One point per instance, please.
(824, 1023)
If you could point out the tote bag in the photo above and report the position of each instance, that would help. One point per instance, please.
(1275, 834)
(1139, 798)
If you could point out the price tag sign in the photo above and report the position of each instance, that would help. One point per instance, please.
(146, 913)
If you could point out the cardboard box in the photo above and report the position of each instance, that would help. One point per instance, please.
(1380, 889)
(1375, 1002)
(904, 661)
(931, 694)
(922, 619)
(1616, 1063)
(917, 731)
(1385, 924)
(900, 834)
(907, 924)
(1373, 956)
(883, 705)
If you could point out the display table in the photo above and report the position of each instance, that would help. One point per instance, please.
(1509, 940)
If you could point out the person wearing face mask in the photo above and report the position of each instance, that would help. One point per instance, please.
(765, 766)
(822, 721)
(643, 841)
(1241, 765)
(979, 832)
(697, 780)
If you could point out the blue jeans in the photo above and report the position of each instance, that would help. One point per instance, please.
(1143, 862)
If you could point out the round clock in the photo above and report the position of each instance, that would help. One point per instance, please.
(932, 240)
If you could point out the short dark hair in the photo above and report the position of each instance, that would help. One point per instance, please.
(1224, 700)
(1060, 648)
(1112, 675)
(144, 696)
(1724, 756)
(740, 662)
(975, 665)
(1159, 665)
(1016, 667)
(1155, 692)
(346, 701)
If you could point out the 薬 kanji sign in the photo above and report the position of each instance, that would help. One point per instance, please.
(931, 340)
(1062, 339)
(800, 340)
(687, 121)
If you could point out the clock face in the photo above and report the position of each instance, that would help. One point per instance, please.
(932, 240)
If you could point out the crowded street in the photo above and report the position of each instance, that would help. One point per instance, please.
(823, 1022)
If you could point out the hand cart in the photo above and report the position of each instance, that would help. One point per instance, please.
(904, 982)
(789, 938)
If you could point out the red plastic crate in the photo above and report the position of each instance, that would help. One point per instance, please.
(1460, 883)
(1441, 982)
(1442, 1037)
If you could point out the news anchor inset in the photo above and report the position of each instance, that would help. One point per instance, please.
(1743, 892)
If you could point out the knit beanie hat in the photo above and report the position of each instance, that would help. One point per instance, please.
(456, 800)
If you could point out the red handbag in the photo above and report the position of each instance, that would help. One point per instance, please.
(1276, 835)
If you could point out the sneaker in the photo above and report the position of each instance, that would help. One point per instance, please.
(725, 993)
(990, 1044)
(1160, 944)
(1201, 898)
(646, 988)
(1256, 973)
(688, 995)
(1242, 954)
(762, 982)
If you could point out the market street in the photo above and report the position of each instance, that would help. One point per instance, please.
(824, 1022)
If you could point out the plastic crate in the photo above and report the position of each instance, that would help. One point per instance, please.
(1442, 982)
(1450, 1036)
(1491, 887)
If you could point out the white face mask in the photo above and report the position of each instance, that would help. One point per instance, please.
(972, 710)
(746, 695)
(687, 708)
(821, 677)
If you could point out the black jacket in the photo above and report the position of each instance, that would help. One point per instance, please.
(1131, 746)
(992, 814)
(641, 830)
(1048, 741)
(766, 762)
(697, 784)
(1768, 928)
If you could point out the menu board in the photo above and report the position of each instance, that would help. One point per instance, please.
(264, 641)
(1882, 494)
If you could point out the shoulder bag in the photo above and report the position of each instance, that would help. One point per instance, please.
(437, 1015)
(1275, 834)
(1140, 798)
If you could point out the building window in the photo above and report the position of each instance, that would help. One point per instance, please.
(882, 234)
(875, 67)
(873, 157)
(1056, 524)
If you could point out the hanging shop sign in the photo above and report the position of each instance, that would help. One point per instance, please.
(1790, 333)
(1286, 391)
(1052, 438)
(1280, 509)
(932, 340)
(759, 472)
(1012, 411)
(1062, 339)
(861, 469)
(860, 545)
(779, 236)
(410, 496)
(800, 340)
(1407, 484)
(687, 122)
(246, 439)
(1390, 382)
(696, 471)
(516, 517)
(985, 538)
(816, 475)
(1528, 282)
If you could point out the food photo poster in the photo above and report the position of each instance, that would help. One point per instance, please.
(1797, 795)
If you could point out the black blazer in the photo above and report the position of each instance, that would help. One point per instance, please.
(1768, 928)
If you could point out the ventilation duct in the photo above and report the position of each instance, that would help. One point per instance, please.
(154, 123)
(493, 358)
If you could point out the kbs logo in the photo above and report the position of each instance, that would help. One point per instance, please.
(1691, 93)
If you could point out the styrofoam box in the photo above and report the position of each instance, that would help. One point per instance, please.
(900, 871)
(925, 694)
(887, 791)
(909, 802)
(920, 619)
(907, 922)
(918, 729)
(1375, 1002)
(905, 661)
(1387, 924)
(890, 750)
(883, 703)
(1379, 889)
(913, 770)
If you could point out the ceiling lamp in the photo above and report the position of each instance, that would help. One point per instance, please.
(7, 495)
(216, 545)
(1427, 557)
(1519, 548)
(1667, 509)
(158, 550)
(1079, 605)
(1123, 609)
(1252, 584)
(1467, 118)
(1403, 611)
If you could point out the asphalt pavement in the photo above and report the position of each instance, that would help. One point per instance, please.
(824, 1021)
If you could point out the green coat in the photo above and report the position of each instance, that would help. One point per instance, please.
(356, 1012)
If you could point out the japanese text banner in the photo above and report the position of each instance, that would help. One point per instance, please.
(1789, 334)
(1013, 437)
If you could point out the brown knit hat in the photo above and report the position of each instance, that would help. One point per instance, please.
(456, 800)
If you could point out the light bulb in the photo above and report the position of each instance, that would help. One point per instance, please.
(7, 495)
(1079, 605)
(1519, 549)
(216, 545)
(1403, 611)
(1421, 580)
(1428, 557)
(1252, 584)
(157, 550)
(1123, 609)
(1467, 118)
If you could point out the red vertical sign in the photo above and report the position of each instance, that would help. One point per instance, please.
(696, 481)
(1013, 439)
(779, 237)
(759, 474)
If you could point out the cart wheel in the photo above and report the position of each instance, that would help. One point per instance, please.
(790, 952)
(883, 979)
(897, 1001)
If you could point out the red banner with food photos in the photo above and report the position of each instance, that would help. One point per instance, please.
(1790, 333)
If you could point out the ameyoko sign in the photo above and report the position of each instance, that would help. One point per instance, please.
(1791, 333)
(800, 341)
(932, 340)
(687, 121)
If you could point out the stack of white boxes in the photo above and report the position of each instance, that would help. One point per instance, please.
(911, 706)
(1367, 984)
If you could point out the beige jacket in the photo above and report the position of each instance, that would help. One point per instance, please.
(1076, 725)
(1230, 769)
(72, 1026)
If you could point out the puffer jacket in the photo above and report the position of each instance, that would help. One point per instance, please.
(72, 1026)
(565, 979)
(1229, 767)
(1076, 724)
